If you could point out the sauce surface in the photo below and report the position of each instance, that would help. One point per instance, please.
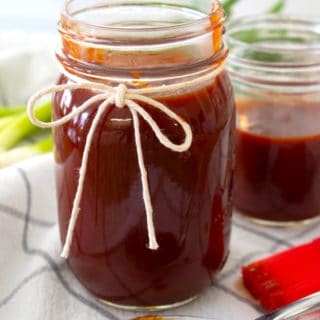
(190, 192)
(278, 161)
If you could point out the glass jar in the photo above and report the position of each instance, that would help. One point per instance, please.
(173, 48)
(275, 68)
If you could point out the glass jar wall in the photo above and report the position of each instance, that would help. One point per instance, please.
(275, 68)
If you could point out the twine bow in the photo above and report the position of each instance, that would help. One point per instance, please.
(121, 97)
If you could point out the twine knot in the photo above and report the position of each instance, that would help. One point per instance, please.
(120, 95)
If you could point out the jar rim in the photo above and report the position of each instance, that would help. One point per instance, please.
(275, 51)
(286, 21)
(215, 10)
(108, 47)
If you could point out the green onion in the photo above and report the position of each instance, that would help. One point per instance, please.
(17, 154)
(4, 121)
(9, 111)
(277, 7)
(21, 127)
(228, 6)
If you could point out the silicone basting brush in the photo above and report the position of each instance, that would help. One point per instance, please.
(284, 277)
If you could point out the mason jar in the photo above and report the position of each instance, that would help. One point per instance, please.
(275, 68)
(142, 54)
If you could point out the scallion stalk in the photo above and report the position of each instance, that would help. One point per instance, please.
(277, 7)
(20, 153)
(21, 127)
(9, 111)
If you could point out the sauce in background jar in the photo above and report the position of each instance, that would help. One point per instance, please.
(191, 191)
(278, 168)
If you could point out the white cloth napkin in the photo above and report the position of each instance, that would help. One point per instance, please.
(35, 283)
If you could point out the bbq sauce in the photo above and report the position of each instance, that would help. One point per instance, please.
(278, 161)
(191, 194)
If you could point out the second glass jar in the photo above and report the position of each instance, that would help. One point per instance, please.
(275, 67)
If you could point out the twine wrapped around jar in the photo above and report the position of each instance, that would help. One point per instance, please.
(120, 96)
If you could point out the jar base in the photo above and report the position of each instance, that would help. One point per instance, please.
(278, 224)
(148, 308)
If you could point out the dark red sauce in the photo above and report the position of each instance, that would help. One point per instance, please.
(190, 192)
(278, 161)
